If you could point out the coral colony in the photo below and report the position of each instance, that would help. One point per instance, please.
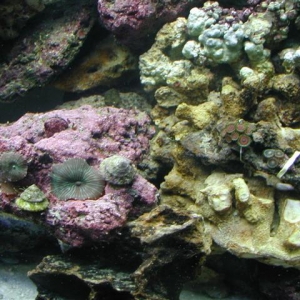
(239, 132)
(223, 89)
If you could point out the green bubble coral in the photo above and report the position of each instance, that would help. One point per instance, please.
(32, 199)
(75, 179)
(13, 167)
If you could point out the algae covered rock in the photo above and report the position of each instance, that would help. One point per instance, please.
(107, 64)
(134, 23)
(164, 65)
(223, 141)
(80, 281)
(46, 48)
(213, 35)
(15, 15)
(240, 215)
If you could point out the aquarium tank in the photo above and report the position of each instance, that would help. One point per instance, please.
(149, 150)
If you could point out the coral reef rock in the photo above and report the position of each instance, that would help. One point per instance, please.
(152, 260)
(133, 21)
(91, 136)
(15, 15)
(19, 235)
(79, 222)
(227, 114)
(108, 64)
(45, 49)
(77, 281)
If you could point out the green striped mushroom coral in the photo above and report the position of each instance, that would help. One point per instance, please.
(32, 199)
(13, 167)
(75, 179)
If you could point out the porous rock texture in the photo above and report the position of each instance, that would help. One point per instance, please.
(133, 21)
(45, 48)
(220, 113)
(90, 134)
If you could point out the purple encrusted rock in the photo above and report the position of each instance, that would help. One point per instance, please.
(132, 21)
(90, 134)
(79, 222)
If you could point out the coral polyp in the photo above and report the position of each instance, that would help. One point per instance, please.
(75, 179)
(230, 128)
(13, 167)
(279, 154)
(268, 153)
(234, 136)
(272, 163)
(241, 126)
(239, 131)
(244, 140)
(274, 157)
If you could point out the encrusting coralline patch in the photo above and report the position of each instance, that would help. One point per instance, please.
(91, 136)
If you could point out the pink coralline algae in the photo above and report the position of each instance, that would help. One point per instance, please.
(92, 135)
(132, 21)
(75, 221)
(78, 222)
